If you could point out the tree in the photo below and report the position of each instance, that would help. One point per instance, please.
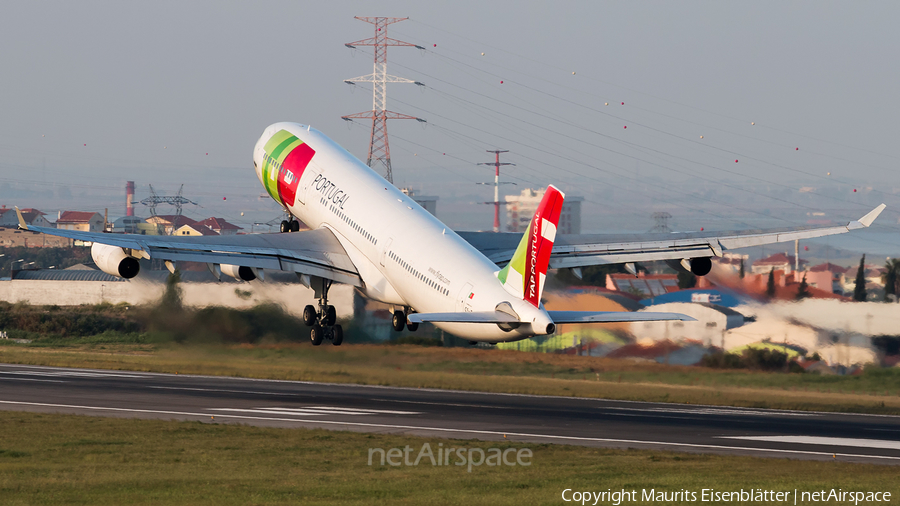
(770, 284)
(803, 291)
(891, 278)
(859, 291)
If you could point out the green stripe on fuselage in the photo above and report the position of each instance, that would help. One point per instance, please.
(275, 147)
(281, 152)
(279, 137)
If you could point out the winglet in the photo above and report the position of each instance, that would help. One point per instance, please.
(22, 224)
(867, 220)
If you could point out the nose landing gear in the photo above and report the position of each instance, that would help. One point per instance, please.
(322, 323)
(290, 225)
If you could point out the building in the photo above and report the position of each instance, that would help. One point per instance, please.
(8, 217)
(219, 226)
(13, 237)
(778, 262)
(731, 261)
(196, 230)
(84, 221)
(133, 225)
(838, 276)
(168, 223)
(520, 209)
(428, 202)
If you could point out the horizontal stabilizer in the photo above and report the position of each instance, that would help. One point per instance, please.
(475, 317)
(559, 317)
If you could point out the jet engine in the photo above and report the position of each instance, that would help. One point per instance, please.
(114, 261)
(697, 266)
(701, 266)
(238, 272)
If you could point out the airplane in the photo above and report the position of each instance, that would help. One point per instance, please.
(482, 286)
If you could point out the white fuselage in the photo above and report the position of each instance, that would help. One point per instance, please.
(404, 255)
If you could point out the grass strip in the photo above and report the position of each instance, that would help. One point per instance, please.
(70, 459)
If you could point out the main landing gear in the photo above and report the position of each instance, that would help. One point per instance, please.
(291, 225)
(322, 322)
(400, 319)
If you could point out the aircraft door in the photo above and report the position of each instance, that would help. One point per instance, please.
(464, 300)
(307, 183)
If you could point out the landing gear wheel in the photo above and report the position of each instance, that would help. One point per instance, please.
(285, 226)
(309, 315)
(295, 226)
(330, 315)
(337, 335)
(315, 335)
(412, 326)
(398, 320)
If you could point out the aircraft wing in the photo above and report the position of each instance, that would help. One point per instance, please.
(312, 252)
(572, 250)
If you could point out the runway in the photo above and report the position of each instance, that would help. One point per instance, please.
(453, 414)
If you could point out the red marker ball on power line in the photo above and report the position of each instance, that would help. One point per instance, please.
(735, 161)
(854, 190)
(796, 149)
(701, 229)
(224, 198)
(623, 103)
(435, 45)
(626, 126)
(501, 82)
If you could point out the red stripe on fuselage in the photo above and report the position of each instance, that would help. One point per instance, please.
(291, 171)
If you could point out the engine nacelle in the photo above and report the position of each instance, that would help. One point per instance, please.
(701, 266)
(238, 272)
(697, 266)
(113, 260)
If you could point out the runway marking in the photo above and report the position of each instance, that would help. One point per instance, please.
(227, 391)
(76, 374)
(820, 440)
(317, 410)
(484, 406)
(33, 379)
(461, 431)
(714, 411)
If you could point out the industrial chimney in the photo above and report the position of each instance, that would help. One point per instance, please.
(129, 198)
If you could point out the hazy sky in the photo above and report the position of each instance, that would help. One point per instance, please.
(164, 93)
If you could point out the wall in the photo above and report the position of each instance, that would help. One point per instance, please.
(293, 297)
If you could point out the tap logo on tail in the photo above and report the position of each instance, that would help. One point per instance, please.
(524, 275)
(286, 157)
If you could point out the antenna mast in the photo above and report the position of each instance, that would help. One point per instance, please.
(497, 166)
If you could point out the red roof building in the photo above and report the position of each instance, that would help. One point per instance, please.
(34, 217)
(219, 225)
(168, 223)
(778, 262)
(84, 221)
